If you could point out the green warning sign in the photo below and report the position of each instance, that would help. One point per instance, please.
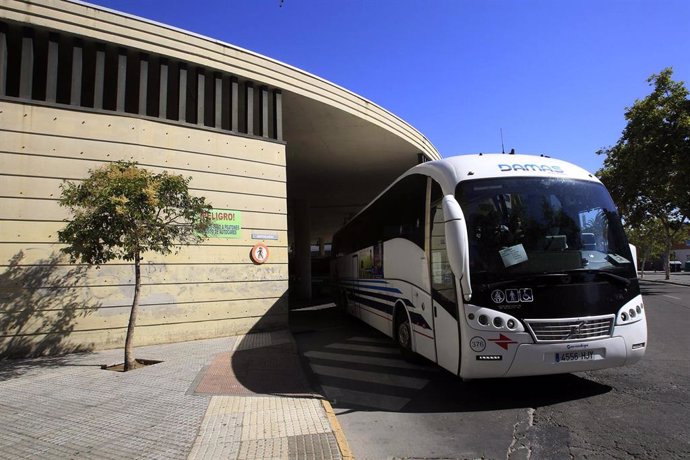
(225, 223)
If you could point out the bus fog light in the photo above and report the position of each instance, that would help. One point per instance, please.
(489, 358)
(470, 316)
(483, 320)
(498, 322)
(511, 324)
(638, 345)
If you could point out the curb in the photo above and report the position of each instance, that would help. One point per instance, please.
(338, 431)
(663, 282)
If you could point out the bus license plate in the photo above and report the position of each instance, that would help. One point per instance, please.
(570, 356)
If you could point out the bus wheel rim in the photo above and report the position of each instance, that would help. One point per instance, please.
(404, 334)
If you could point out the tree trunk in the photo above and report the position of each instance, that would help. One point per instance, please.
(129, 341)
(644, 260)
(667, 268)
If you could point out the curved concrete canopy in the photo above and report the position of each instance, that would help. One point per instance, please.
(331, 148)
(335, 138)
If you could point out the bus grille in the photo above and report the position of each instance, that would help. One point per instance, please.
(561, 330)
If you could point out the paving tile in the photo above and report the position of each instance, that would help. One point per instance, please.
(276, 448)
(313, 447)
(67, 407)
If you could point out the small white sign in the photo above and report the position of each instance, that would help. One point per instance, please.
(498, 296)
(513, 295)
(264, 236)
(477, 344)
(526, 295)
(513, 255)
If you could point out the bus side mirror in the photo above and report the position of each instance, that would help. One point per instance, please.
(457, 243)
(633, 252)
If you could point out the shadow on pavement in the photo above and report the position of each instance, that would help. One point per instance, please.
(359, 369)
(497, 394)
(12, 368)
(652, 289)
(263, 362)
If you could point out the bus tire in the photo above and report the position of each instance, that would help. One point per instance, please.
(404, 335)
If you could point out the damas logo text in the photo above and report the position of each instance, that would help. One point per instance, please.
(530, 167)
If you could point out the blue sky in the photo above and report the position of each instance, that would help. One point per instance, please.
(555, 75)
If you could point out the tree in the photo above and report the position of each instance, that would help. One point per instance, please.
(648, 239)
(647, 171)
(122, 211)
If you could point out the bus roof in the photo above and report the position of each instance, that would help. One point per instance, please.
(449, 171)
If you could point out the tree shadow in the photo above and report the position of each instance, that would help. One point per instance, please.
(650, 289)
(39, 306)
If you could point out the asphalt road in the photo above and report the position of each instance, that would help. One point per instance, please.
(390, 408)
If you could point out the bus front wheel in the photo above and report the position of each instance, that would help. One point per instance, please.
(404, 336)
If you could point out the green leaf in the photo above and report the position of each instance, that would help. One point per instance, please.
(122, 210)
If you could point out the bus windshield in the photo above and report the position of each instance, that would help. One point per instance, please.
(532, 226)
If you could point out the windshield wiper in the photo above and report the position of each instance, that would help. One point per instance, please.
(564, 277)
(606, 274)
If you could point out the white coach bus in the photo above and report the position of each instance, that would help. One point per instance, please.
(495, 265)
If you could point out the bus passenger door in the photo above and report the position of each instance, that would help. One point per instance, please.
(443, 293)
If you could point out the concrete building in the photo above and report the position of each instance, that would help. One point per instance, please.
(290, 154)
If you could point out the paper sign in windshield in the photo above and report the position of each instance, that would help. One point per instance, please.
(618, 259)
(513, 255)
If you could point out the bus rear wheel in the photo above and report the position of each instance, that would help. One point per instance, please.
(341, 300)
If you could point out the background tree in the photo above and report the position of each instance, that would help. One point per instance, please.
(648, 170)
(122, 211)
(648, 239)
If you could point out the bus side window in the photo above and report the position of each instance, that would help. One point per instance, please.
(400, 211)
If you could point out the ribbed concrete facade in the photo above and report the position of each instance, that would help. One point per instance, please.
(203, 291)
(80, 87)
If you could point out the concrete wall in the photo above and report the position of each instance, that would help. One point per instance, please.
(50, 306)
(81, 86)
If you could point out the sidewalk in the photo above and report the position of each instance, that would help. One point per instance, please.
(678, 278)
(242, 397)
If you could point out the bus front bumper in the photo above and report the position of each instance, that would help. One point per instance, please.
(522, 357)
(542, 359)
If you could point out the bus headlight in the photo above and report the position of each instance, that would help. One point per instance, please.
(487, 319)
(631, 312)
